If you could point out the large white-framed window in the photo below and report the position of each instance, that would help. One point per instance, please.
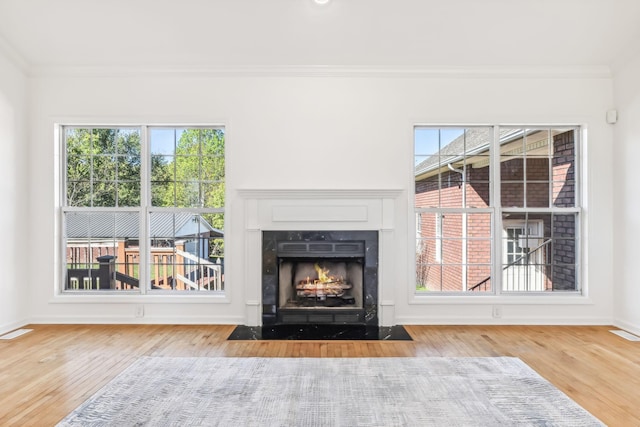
(499, 209)
(142, 208)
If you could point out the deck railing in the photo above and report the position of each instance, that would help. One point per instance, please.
(199, 273)
(171, 268)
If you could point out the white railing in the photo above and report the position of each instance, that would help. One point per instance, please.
(207, 274)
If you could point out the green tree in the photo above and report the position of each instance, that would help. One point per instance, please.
(193, 175)
(200, 176)
(103, 167)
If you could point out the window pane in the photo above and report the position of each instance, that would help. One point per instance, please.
(479, 277)
(162, 141)
(564, 173)
(439, 277)
(538, 167)
(102, 251)
(478, 181)
(104, 194)
(163, 194)
(512, 194)
(564, 277)
(78, 193)
(129, 193)
(428, 276)
(187, 251)
(539, 252)
(511, 168)
(213, 194)
(452, 167)
(537, 195)
(188, 168)
(103, 141)
(128, 142)
(451, 280)
(128, 168)
(191, 159)
(428, 252)
(78, 141)
(94, 166)
(104, 168)
(564, 194)
(427, 192)
(564, 226)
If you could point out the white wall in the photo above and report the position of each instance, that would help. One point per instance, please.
(15, 260)
(627, 196)
(325, 132)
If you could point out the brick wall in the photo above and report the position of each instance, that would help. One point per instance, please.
(447, 275)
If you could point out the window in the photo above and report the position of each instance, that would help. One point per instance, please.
(496, 200)
(143, 208)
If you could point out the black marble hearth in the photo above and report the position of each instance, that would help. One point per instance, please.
(321, 332)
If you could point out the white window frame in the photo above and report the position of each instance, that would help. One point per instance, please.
(144, 211)
(496, 210)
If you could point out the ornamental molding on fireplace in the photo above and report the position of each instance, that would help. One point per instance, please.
(324, 208)
(338, 193)
(321, 209)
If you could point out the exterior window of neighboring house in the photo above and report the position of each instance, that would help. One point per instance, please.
(499, 209)
(143, 208)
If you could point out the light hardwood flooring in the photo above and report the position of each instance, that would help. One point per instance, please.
(46, 373)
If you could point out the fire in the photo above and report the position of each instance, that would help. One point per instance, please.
(324, 277)
(323, 273)
(322, 287)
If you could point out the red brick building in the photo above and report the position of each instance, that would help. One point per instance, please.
(454, 212)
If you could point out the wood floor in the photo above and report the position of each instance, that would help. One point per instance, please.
(46, 373)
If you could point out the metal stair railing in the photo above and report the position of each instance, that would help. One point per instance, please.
(512, 264)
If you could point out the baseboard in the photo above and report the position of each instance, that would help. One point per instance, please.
(146, 320)
(8, 327)
(627, 326)
(402, 320)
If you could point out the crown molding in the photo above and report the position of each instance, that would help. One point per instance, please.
(374, 71)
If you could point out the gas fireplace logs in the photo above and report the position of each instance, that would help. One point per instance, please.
(320, 289)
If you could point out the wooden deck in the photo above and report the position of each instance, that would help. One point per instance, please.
(46, 373)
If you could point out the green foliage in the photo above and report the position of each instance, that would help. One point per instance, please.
(103, 167)
(194, 175)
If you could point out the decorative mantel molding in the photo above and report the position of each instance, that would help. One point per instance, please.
(338, 193)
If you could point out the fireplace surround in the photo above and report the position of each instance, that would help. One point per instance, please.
(323, 277)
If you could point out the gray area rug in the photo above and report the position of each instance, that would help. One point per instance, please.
(432, 391)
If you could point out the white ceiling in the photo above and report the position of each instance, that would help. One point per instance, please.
(298, 33)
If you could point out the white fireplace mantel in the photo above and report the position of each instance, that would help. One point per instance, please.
(321, 209)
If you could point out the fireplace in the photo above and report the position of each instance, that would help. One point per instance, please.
(320, 277)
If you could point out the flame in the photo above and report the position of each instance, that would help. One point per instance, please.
(323, 273)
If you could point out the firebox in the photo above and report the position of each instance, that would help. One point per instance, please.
(320, 277)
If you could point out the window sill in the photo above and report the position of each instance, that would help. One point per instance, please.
(135, 298)
(515, 299)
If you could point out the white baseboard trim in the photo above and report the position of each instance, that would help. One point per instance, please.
(11, 326)
(627, 326)
(147, 320)
(402, 320)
